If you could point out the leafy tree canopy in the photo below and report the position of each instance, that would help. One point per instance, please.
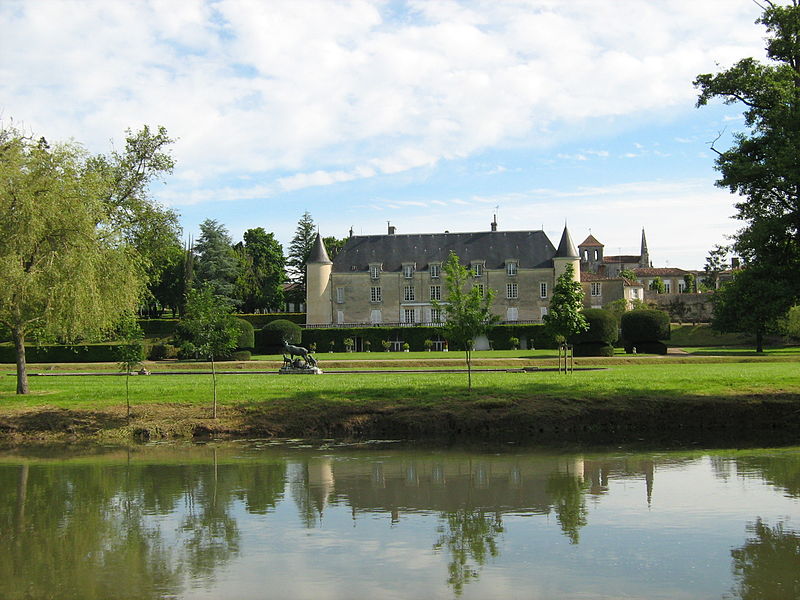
(66, 270)
(565, 317)
(260, 283)
(467, 312)
(217, 265)
(763, 164)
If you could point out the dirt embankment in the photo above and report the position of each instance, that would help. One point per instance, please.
(773, 418)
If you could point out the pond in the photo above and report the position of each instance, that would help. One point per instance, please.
(259, 519)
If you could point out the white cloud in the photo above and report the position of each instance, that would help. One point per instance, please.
(318, 89)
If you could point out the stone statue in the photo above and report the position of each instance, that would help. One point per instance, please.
(293, 351)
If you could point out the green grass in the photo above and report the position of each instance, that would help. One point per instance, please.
(622, 382)
(789, 351)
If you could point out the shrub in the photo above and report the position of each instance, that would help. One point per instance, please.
(647, 348)
(162, 352)
(241, 355)
(270, 339)
(246, 339)
(593, 349)
(513, 342)
(642, 326)
(348, 344)
(603, 328)
(386, 345)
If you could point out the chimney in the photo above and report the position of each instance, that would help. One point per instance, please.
(391, 228)
(494, 222)
(351, 231)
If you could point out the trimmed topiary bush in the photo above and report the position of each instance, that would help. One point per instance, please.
(601, 336)
(644, 328)
(241, 355)
(270, 339)
(246, 340)
(593, 349)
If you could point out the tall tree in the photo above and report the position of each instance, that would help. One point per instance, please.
(716, 262)
(65, 269)
(299, 251)
(763, 164)
(333, 245)
(467, 312)
(216, 264)
(752, 302)
(565, 317)
(260, 284)
(152, 229)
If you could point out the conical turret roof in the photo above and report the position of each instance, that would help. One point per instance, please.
(318, 252)
(566, 247)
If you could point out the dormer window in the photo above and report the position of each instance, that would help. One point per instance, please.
(435, 270)
(374, 271)
(477, 269)
(511, 268)
(408, 271)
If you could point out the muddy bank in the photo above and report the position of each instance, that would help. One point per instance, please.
(773, 418)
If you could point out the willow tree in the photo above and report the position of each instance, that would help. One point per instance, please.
(65, 271)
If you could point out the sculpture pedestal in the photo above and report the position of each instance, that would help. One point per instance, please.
(300, 371)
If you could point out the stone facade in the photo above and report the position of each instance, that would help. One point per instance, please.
(390, 279)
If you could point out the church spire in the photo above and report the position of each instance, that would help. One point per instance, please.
(644, 259)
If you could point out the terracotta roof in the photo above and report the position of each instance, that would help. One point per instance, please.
(660, 272)
(590, 241)
(625, 258)
(597, 277)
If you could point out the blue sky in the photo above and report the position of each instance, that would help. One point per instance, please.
(433, 115)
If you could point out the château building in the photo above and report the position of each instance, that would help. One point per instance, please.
(393, 278)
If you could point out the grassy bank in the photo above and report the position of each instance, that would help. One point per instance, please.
(625, 401)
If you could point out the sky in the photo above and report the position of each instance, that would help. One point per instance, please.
(432, 115)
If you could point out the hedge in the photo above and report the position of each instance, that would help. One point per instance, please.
(593, 349)
(603, 328)
(158, 327)
(259, 321)
(645, 325)
(63, 354)
(246, 339)
(415, 336)
(269, 339)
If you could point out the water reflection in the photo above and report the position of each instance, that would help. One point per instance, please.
(194, 521)
(767, 566)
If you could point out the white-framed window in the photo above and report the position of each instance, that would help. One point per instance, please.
(436, 292)
(339, 295)
(340, 316)
(375, 294)
(374, 272)
(667, 287)
(511, 269)
(681, 287)
(408, 271)
(436, 315)
(595, 288)
(481, 289)
(543, 289)
(435, 270)
(408, 293)
(512, 314)
(477, 269)
(511, 291)
(375, 316)
(635, 293)
(408, 315)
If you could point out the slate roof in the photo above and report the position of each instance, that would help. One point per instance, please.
(318, 252)
(531, 249)
(566, 249)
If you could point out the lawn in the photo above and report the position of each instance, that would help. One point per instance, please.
(647, 381)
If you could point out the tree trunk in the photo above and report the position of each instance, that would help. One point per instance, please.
(469, 371)
(759, 340)
(22, 372)
(214, 380)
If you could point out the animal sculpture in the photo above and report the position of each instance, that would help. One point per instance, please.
(293, 351)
